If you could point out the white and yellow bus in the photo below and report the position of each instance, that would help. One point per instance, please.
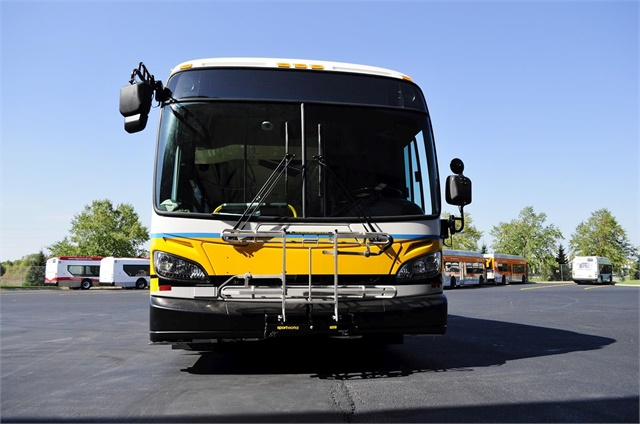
(503, 269)
(293, 198)
(463, 268)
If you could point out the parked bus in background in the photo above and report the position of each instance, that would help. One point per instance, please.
(591, 269)
(463, 268)
(293, 198)
(503, 269)
(125, 272)
(75, 272)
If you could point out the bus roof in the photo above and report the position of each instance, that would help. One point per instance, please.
(597, 258)
(466, 253)
(319, 65)
(78, 258)
(503, 256)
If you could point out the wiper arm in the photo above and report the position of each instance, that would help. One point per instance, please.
(264, 191)
(353, 203)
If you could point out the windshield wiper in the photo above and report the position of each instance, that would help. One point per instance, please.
(352, 203)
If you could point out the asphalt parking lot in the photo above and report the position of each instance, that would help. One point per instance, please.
(516, 353)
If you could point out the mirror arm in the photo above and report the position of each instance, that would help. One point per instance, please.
(161, 93)
(453, 219)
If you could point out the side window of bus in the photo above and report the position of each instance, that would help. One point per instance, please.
(136, 270)
(518, 268)
(451, 267)
(474, 268)
(503, 267)
(75, 269)
(93, 270)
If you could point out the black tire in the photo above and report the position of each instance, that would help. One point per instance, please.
(481, 281)
(85, 285)
(453, 282)
(504, 280)
(524, 279)
(141, 283)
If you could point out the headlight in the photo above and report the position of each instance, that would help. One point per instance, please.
(177, 268)
(420, 268)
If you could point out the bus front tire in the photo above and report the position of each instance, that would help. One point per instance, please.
(453, 282)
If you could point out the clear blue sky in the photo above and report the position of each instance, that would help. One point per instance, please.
(540, 98)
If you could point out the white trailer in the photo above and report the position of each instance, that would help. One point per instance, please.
(76, 272)
(591, 269)
(125, 272)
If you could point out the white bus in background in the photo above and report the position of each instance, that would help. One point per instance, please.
(591, 269)
(463, 268)
(76, 272)
(125, 272)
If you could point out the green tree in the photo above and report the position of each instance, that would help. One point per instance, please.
(35, 273)
(102, 230)
(601, 235)
(528, 236)
(561, 271)
(467, 239)
(561, 259)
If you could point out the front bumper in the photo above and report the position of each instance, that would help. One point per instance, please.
(179, 320)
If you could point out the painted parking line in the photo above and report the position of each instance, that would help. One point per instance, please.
(597, 287)
(547, 286)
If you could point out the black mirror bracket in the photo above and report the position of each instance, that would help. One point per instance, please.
(458, 192)
(136, 98)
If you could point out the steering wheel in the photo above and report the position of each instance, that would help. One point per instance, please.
(381, 190)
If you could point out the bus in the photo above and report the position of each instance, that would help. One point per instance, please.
(125, 272)
(75, 272)
(503, 269)
(292, 198)
(591, 269)
(463, 268)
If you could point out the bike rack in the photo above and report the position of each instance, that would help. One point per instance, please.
(299, 294)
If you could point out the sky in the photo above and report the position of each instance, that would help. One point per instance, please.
(539, 98)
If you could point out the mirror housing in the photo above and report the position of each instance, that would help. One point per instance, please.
(458, 190)
(135, 104)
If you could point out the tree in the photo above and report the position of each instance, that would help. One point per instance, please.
(468, 238)
(528, 236)
(35, 273)
(601, 235)
(561, 259)
(101, 230)
(562, 270)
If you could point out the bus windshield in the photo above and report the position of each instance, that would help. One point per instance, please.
(294, 160)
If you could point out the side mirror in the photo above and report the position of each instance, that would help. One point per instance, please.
(458, 187)
(457, 192)
(135, 103)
